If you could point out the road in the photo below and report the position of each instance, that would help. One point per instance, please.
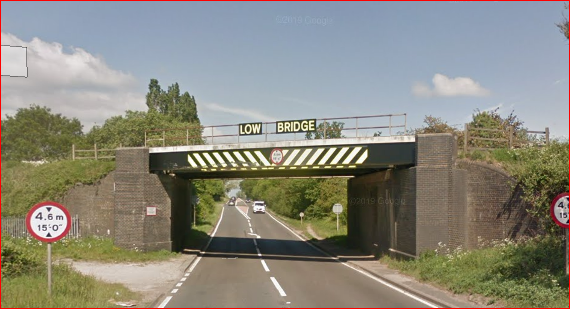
(255, 261)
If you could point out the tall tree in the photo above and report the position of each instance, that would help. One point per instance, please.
(171, 103)
(35, 133)
(328, 130)
(563, 25)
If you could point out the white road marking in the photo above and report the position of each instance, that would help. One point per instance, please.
(251, 230)
(183, 279)
(165, 302)
(255, 242)
(358, 270)
(249, 223)
(194, 264)
(186, 274)
(390, 286)
(264, 266)
(174, 291)
(243, 213)
(179, 284)
(252, 234)
(278, 287)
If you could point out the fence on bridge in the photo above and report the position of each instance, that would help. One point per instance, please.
(346, 127)
(490, 139)
(16, 227)
(92, 154)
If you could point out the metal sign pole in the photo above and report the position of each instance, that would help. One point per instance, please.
(566, 242)
(49, 266)
(337, 222)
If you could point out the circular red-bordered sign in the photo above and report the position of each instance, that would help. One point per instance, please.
(48, 221)
(559, 210)
(276, 156)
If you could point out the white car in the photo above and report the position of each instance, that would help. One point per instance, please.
(258, 206)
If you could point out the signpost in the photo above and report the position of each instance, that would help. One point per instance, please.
(337, 209)
(48, 222)
(559, 213)
(302, 214)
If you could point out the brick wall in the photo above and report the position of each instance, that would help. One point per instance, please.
(495, 206)
(381, 212)
(94, 204)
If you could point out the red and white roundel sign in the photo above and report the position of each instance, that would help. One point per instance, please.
(276, 156)
(559, 210)
(48, 221)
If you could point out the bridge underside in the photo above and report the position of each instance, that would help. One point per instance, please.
(312, 158)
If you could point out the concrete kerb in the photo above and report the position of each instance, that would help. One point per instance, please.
(428, 297)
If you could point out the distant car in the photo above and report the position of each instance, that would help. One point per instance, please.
(232, 201)
(258, 206)
(248, 201)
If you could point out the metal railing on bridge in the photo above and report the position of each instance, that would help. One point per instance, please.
(327, 128)
(16, 227)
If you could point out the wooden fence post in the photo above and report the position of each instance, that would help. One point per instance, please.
(95, 150)
(547, 133)
(465, 138)
(73, 152)
(511, 133)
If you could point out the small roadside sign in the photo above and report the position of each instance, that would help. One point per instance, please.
(48, 221)
(276, 156)
(559, 210)
(302, 214)
(337, 208)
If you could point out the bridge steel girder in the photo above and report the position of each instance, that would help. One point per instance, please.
(345, 157)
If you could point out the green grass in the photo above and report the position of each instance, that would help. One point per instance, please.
(69, 290)
(24, 185)
(324, 228)
(199, 234)
(91, 249)
(529, 274)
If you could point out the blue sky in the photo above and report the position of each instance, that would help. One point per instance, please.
(247, 62)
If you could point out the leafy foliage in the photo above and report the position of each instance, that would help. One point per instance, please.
(289, 197)
(434, 125)
(17, 260)
(24, 185)
(543, 174)
(563, 25)
(526, 274)
(327, 130)
(35, 134)
(493, 120)
(208, 191)
(171, 103)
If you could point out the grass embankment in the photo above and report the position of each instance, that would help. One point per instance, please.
(24, 276)
(24, 185)
(527, 274)
(323, 228)
(199, 234)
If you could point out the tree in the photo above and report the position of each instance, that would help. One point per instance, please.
(563, 25)
(171, 103)
(434, 125)
(35, 133)
(332, 130)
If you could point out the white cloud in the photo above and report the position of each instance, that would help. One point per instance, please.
(76, 84)
(444, 86)
(251, 114)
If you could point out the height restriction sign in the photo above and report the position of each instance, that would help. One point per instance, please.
(559, 210)
(48, 221)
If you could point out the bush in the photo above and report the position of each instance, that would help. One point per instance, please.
(17, 260)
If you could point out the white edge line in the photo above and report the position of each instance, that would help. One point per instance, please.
(425, 302)
(264, 266)
(167, 299)
(358, 270)
(183, 279)
(165, 302)
(278, 287)
(179, 284)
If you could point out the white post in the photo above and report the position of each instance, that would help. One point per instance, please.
(566, 234)
(49, 266)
